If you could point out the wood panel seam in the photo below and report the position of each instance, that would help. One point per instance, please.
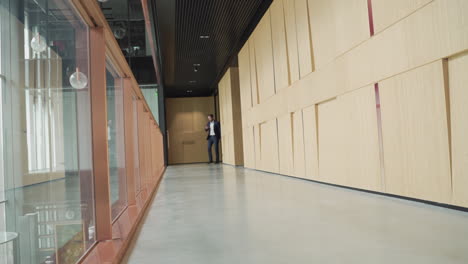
(250, 74)
(297, 41)
(287, 44)
(273, 55)
(311, 43)
(317, 136)
(402, 18)
(257, 92)
(446, 84)
(277, 145)
(291, 122)
(303, 142)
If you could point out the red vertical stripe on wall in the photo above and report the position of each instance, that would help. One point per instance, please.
(371, 17)
(377, 95)
(379, 130)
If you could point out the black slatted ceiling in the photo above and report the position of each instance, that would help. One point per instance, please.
(226, 22)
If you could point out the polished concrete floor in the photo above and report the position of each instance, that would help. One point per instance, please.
(220, 214)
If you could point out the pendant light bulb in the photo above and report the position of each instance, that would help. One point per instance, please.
(78, 80)
(38, 44)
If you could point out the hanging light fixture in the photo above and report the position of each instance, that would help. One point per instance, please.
(119, 32)
(38, 43)
(78, 80)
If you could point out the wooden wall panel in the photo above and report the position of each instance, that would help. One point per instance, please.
(382, 56)
(253, 69)
(249, 147)
(304, 39)
(257, 146)
(231, 119)
(352, 24)
(330, 142)
(348, 140)
(186, 120)
(194, 147)
(199, 108)
(244, 77)
(310, 142)
(285, 145)
(172, 122)
(458, 83)
(280, 50)
(225, 103)
(269, 146)
(298, 144)
(225, 117)
(386, 12)
(264, 59)
(415, 135)
(237, 121)
(322, 23)
(175, 153)
(176, 148)
(360, 139)
(291, 39)
(337, 26)
(347, 63)
(228, 150)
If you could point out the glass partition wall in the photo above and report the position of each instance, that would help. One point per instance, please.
(50, 137)
(116, 140)
(46, 172)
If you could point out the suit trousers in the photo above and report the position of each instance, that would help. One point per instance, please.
(213, 140)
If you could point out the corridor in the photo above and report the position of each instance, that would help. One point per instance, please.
(205, 214)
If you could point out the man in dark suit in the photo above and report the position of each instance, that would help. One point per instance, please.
(214, 135)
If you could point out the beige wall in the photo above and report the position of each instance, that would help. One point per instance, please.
(230, 117)
(186, 119)
(311, 76)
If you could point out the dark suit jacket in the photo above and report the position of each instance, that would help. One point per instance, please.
(217, 130)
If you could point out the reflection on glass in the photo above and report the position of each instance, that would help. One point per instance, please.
(46, 175)
(150, 92)
(115, 137)
(78, 80)
(135, 144)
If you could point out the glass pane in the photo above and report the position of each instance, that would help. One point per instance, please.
(115, 137)
(135, 144)
(150, 92)
(46, 174)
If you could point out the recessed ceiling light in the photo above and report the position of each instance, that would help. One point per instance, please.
(192, 81)
(196, 64)
(189, 91)
(204, 37)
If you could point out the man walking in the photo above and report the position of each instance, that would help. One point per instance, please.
(214, 135)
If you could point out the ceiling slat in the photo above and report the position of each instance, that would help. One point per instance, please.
(224, 21)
